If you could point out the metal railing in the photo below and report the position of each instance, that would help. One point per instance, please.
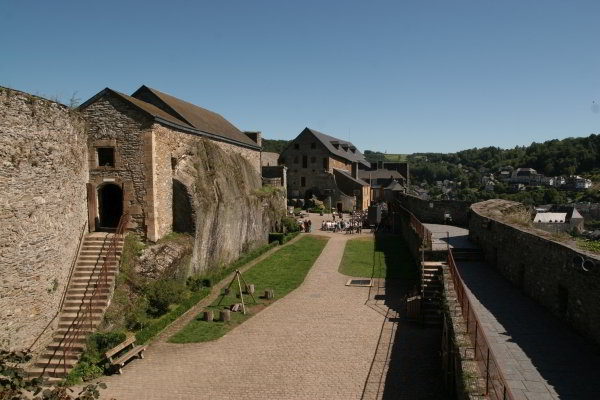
(495, 384)
(64, 295)
(423, 233)
(85, 312)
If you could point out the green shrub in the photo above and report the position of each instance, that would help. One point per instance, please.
(161, 294)
(290, 236)
(154, 328)
(276, 237)
(92, 363)
(136, 317)
(290, 224)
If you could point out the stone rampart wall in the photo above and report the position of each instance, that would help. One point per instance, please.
(543, 268)
(433, 211)
(43, 209)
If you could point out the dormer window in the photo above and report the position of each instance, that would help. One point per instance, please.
(106, 156)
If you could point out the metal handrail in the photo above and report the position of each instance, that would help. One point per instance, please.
(498, 389)
(76, 325)
(64, 295)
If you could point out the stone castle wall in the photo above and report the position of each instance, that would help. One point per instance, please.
(433, 211)
(223, 185)
(43, 210)
(542, 267)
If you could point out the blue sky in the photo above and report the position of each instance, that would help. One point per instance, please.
(395, 76)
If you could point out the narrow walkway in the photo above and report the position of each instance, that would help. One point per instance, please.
(539, 356)
(316, 343)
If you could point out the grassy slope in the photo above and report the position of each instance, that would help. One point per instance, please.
(385, 257)
(283, 271)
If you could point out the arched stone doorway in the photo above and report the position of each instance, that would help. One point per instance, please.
(184, 219)
(110, 206)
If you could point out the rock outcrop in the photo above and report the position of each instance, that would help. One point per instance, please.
(231, 211)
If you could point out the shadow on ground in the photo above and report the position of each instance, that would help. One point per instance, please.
(564, 359)
(407, 363)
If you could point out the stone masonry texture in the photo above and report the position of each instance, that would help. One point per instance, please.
(42, 211)
(541, 267)
(433, 211)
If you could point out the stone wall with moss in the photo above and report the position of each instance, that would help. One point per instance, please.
(43, 209)
(231, 212)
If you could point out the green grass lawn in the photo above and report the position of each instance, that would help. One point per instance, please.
(385, 257)
(283, 271)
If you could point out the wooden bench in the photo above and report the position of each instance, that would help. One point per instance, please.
(134, 351)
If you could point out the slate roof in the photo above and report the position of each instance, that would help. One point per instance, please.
(343, 150)
(379, 174)
(550, 217)
(171, 110)
(198, 117)
(349, 176)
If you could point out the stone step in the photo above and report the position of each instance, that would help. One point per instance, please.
(75, 348)
(81, 308)
(84, 319)
(84, 325)
(91, 263)
(85, 302)
(95, 273)
(77, 289)
(71, 356)
(53, 375)
(55, 363)
(83, 296)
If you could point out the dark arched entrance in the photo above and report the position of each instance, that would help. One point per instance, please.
(183, 212)
(110, 206)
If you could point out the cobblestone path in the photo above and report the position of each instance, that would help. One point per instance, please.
(316, 343)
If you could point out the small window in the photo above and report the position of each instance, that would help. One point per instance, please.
(282, 160)
(296, 146)
(313, 145)
(173, 162)
(302, 181)
(106, 156)
(304, 161)
(326, 163)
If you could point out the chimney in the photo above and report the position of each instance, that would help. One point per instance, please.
(255, 136)
(355, 170)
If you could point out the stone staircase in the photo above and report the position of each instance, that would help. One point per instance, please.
(431, 305)
(87, 291)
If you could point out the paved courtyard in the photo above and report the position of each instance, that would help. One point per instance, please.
(316, 343)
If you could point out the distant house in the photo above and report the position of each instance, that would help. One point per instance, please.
(490, 186)
(559, 219)
(525, 176)
(326, 167)
(578, 183)
(269, 159)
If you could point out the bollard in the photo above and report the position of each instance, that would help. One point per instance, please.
(225, 316)
(208, 316)
(250, 288)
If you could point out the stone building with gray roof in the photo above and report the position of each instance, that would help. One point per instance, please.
(325, 166)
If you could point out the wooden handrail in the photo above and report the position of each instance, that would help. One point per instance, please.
(76, 326)
(478, 335)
